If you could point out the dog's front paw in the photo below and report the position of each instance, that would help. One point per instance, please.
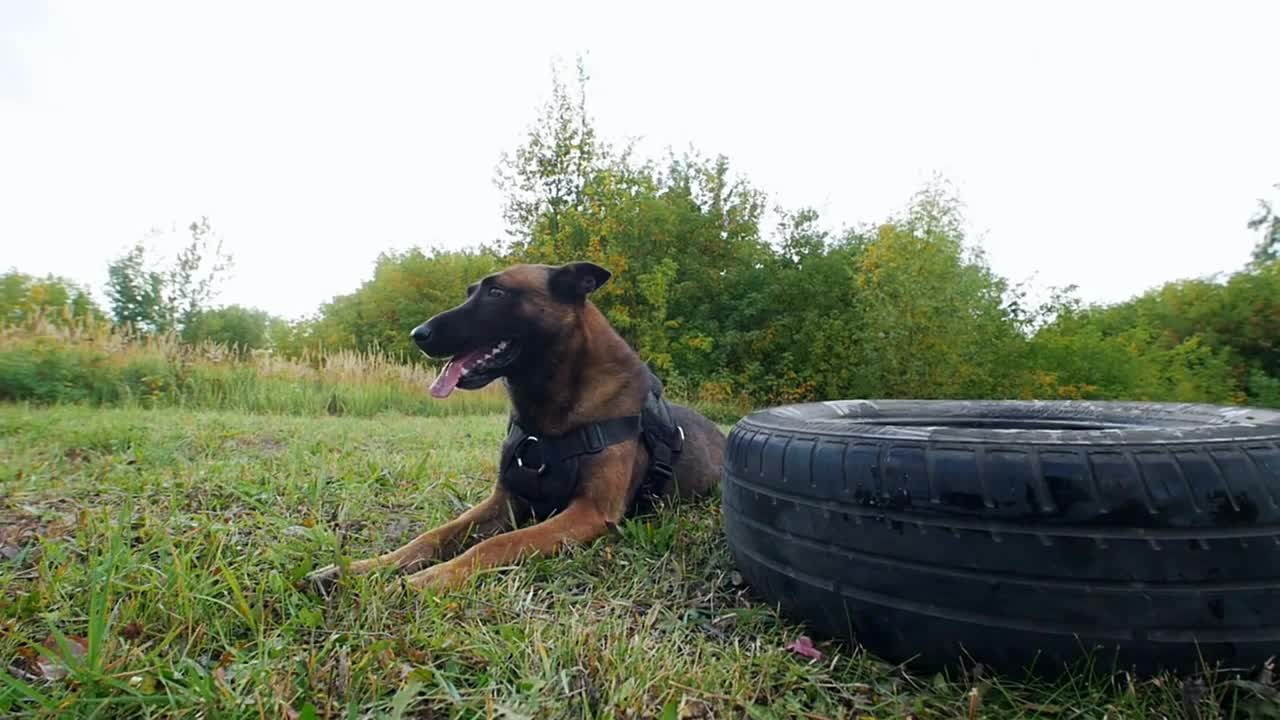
(324, 580)
(437, 577)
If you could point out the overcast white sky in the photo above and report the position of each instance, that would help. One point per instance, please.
(1114, 145)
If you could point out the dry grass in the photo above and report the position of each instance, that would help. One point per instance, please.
(98, 364)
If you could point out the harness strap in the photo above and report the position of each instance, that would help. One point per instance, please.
(586, 440)
(543, 470)
(664, 439)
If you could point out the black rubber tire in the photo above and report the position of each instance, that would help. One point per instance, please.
(1021, 535)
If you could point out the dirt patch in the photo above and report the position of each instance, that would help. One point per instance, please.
(266, 444)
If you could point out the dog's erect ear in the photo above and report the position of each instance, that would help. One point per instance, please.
(574, 281)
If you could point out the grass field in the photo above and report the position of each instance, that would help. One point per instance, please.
(150, 564)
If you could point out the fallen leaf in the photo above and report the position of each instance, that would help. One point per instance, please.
(78, 646)
(804, 646)
(55, 668)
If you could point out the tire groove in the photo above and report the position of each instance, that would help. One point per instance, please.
(930, 468)
(813, 449)
(980, 466)
(943, 613)
(782, 467)
(1222, 480)
(882, 467)
(764, 443)
(1260, 477)
(1089, 586)
(1171, 534)
(1094, 486)
(1047, 504)
(1143, 481)
(1182, 474)
(844, 465)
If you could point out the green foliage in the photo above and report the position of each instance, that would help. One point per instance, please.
(1076, 359)
(406, 289)
(136, 293)
(24, 299)
(150, 300)
(1267, 223)
(193, 279)
(548, 175)
(1195, 340)
(237, 327)
(732, 316)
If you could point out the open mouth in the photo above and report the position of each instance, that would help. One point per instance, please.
(474, 368)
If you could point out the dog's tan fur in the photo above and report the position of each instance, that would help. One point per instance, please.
(592, 375)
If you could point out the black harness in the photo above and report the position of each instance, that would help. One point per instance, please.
(542, 470)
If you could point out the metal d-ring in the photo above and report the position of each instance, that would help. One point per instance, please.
(520, 451)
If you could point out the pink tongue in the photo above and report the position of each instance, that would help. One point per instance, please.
(448, 378)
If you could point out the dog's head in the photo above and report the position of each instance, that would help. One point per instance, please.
(507, 321)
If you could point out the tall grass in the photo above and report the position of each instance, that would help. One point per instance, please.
(95, 363)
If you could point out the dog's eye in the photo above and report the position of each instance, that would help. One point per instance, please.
(496, 292)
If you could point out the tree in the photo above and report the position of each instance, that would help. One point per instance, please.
(193, 280)
(406, 289)
(237, 327)
(160, 300)
(136, 293)
(905, 308)
(1266, 222)
(55, 299)
(548, 175)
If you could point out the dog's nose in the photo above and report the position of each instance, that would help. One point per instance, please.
(421, 335)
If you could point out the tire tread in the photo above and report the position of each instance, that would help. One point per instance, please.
(1013, 531)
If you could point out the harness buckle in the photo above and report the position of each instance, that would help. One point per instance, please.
(519, 453)
(594, 438)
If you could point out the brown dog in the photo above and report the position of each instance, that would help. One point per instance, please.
(586, 425)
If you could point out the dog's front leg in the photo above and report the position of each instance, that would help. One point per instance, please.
(580, 522)
(490, 516)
